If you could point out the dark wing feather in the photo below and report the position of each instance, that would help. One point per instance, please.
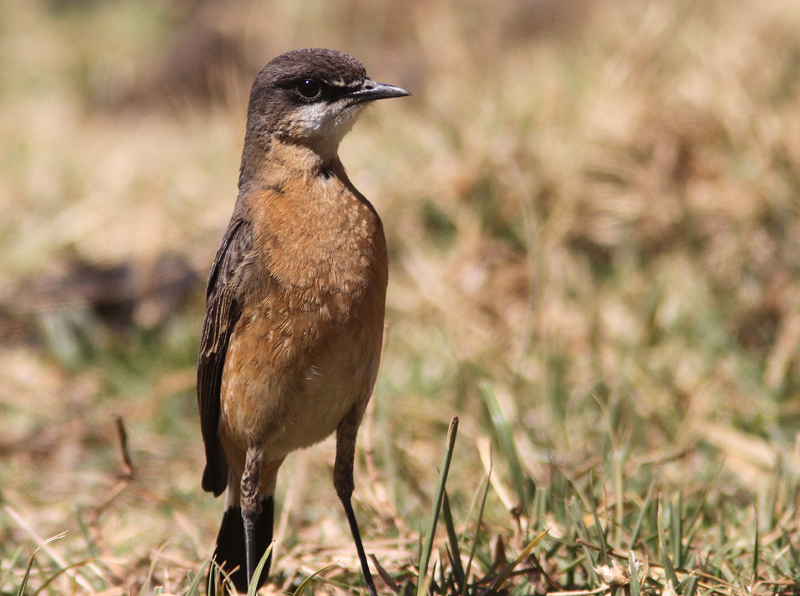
(222, 312)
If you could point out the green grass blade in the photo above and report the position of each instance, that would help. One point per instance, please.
(307, 581)
(676, 531)
(437, 504)
(618, 458)
(146, 584)
(576, 520)
(476, 498)
(601, 535)
(793, 554)
(475, 542)
(194, 587)
(500, 579)
(635, 584)
(691, 586)
(455, 551)
(58, 573)
(638, 527)
(505, 438)
(219, 576)
(699, 510)
(40, 571)
(423, 587)
(14, 559)
(772, 507)
(387, 579)
(85, 533)
(253, 587)
(24, 583)
(27, 575)
(756, 545)
(669, 569)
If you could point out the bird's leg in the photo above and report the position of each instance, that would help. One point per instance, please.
(343, 481)
(251, 506)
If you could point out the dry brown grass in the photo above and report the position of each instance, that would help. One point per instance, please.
(591, 209)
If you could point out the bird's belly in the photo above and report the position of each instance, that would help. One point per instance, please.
(287, 386)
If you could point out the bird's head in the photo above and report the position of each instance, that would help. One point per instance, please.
(312, 97)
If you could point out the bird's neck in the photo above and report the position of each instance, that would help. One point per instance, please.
(272, 161)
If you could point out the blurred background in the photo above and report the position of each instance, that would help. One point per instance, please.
(592, 215)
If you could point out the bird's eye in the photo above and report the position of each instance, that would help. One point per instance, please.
(308, 89)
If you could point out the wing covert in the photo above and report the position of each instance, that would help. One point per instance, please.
(222, 312)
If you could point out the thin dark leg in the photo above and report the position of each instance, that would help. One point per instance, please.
(351, 518)
(251, 508)
(250, 545)
(343, 481)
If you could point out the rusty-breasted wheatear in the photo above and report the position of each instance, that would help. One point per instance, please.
(295, 301)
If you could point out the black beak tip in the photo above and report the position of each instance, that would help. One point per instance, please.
(372, 90)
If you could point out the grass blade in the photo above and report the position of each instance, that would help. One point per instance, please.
(218, 577)
(458, 569)
(793, 554)
(478, 490)
(58, 573)
(477, 534)
(45, 546)
(601, 535)
(676, 530)
(437, 504)
(699, 510)
(387, 579)
(146, 584)
(635, 584)
(14, 559)
(669, 569)
(576, 520)
(86, 536)
(500, 579)
(505, 438)
(755, 546)
(307, 581)
(24, 582)
(691, 586)
(194, 587)
(638, 527)
(253, 587)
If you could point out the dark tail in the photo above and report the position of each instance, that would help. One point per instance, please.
(231, 553)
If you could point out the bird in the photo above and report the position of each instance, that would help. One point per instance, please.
(295, 302)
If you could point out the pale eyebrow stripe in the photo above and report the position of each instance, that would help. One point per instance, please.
(343, 84)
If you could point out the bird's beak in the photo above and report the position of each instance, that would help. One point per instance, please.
(372, 90)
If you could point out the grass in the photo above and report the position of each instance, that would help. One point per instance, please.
(592, 218)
